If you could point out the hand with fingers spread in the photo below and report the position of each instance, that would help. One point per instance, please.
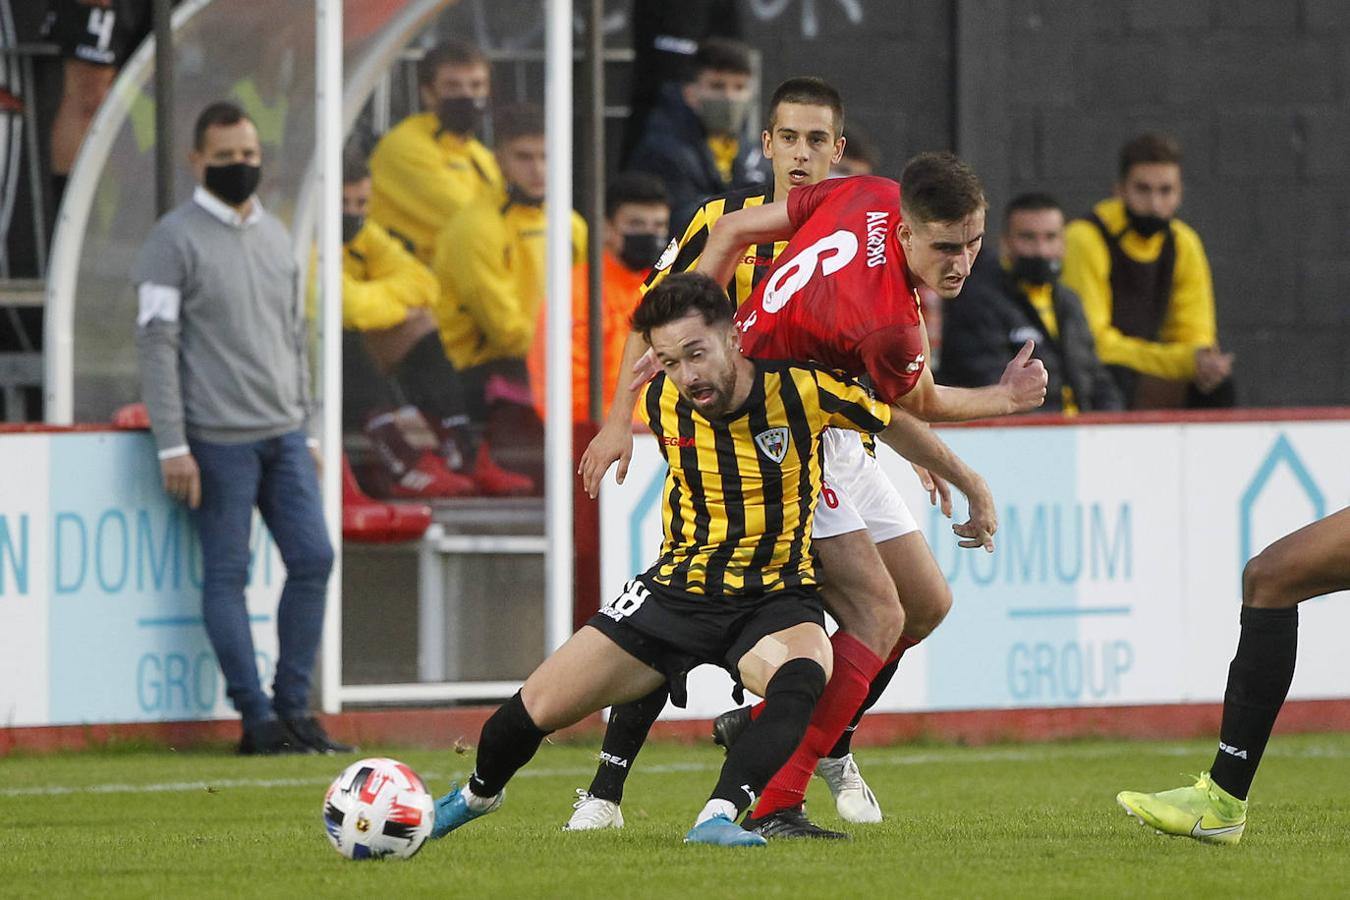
(939, 491)
(182, 480)
(1024, 379)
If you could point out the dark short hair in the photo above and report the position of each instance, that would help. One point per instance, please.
(938, 187)
(1150, 147)
(718, 54)
(808, 91)
(861, 146)
(1032, 201)
(453, 52)
(634, 187)
(676, 297)
(517, 121)
(354, 166)
(221, 114)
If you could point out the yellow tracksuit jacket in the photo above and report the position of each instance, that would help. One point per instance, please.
(490, 262)
(381, 281)
(421, 176)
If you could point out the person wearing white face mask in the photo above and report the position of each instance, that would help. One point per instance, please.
(696, 140)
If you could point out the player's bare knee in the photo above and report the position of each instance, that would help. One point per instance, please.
(1264, 582)
(922, 618)
(869, 609)
(547, 708)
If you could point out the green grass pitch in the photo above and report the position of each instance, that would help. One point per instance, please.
(1008, 820)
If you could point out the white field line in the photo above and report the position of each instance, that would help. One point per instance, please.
(870, 759)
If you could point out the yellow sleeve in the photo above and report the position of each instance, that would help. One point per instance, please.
(408, 282)
(682, 254)
(366, 305)
(1190, 315)
(411, 171)
(1087, 270)
(381, 281)
(846, 404)
(471, 260)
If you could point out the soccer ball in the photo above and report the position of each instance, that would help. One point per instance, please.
(378, 807)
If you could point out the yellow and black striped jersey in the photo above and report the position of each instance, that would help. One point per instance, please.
(683, 252)
(741, 490)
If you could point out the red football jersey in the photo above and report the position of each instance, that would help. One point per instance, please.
(839, 294)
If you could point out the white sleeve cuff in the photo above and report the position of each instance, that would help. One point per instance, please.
(312, 443)
(157, 301)
(171, 452)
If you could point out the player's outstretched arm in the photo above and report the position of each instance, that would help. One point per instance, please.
(1021, 389)
(614, 442)
(913, 440)
(732, 233)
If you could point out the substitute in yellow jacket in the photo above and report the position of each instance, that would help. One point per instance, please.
(490, 261)
(390, 332)
(431, 165)
(1146, 288)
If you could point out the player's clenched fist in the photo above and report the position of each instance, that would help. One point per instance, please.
(1024, 379)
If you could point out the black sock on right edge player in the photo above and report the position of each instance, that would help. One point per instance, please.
(1258, 682)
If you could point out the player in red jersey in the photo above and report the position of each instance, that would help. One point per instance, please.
(843, 293)
(936, 245)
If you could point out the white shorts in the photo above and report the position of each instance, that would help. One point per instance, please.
(856, 494)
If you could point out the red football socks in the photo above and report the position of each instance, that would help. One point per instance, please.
(854, 668)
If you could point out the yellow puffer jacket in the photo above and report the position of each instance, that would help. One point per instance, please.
(421, 176)
(381, 281)
(490, 262)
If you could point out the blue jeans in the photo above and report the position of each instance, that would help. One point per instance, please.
(278, 476)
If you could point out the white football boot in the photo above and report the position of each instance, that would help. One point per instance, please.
(852, 797)
(592, 813)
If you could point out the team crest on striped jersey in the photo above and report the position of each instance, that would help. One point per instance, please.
(773, 443)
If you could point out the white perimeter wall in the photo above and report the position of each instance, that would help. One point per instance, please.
(1116, 578)
(100, 588)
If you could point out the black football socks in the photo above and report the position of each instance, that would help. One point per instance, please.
(509, 740)
(625, 734)
(1258, 682)
(770, 740)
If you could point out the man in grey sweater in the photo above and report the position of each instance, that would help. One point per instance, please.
(221, 340)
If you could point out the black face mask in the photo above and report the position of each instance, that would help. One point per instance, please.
(1146, 226)
(515, 196)
(640, 250)
(233, 183)
(1035, 269)
(351, 227)
(461, 115)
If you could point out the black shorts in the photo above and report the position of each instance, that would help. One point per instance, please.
(100, 32)
(673, 631)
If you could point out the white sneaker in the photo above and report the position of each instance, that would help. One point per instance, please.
(852, 797)
(592, 813)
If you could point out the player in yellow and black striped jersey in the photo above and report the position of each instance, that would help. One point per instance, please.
(683, 252)
(735, 583)
(742, 487)
(803, 139)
